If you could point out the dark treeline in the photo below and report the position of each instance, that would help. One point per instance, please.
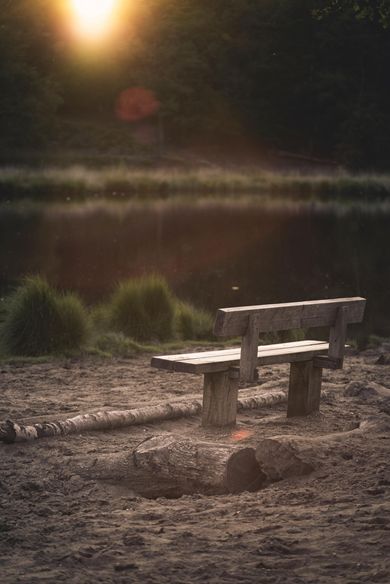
(310, 77)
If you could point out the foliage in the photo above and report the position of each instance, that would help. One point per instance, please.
(100, 315)
(377, 11)
(143, 308)
(231, 77)
(29, 96)
(193, 323)
(39, 320)
(117, 345)
(74, 322)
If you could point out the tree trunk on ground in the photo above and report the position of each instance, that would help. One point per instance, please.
(13, 432)
(166, 466)
(282, 457)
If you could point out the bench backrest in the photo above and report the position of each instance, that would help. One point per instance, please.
(293, 315)
(249, 321)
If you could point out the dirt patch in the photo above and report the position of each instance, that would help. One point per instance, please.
(56, 526)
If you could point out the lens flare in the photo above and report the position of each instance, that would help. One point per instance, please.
(242, 435)
(92, 18)
(135, 104)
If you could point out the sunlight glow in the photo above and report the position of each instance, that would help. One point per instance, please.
(238, 435)
(92, 18)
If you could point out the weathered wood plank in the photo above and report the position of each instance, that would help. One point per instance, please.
(326, 362)
(249, 350)
(337, 336)
(222, 360)
(275, 317)
(229, 351)
(304, 389)
(220, 392)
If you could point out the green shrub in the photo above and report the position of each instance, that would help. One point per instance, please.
(193, 323)
(144, 308)
(40, 321)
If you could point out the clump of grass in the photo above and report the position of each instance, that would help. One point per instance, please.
(117, 345)
(100, 316)
(39, 320)
(144, 309)
(74, 320)
(193, 323)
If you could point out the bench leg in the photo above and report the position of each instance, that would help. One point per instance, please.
(305, 389)
(220, 392)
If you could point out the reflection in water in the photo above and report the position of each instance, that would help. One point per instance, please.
(214, 254)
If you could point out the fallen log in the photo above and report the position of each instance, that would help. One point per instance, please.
(286, 456)
(166, 466)
(11, 431)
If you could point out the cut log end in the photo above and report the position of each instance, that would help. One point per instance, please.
(243, 472)
(162, 465)
(7, 432)
(11, 432)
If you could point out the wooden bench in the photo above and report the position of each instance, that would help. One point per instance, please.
(223, 369)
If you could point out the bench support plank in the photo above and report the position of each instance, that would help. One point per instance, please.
(220, 392)
(249, 349)
(337, 337)
(305, 389)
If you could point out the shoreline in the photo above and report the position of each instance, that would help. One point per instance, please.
(121, 183)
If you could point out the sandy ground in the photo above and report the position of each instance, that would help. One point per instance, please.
(55, 526)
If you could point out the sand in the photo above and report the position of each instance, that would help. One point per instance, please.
(332, 525)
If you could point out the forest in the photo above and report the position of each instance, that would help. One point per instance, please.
(231, 77)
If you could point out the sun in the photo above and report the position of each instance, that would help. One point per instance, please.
(93, 18)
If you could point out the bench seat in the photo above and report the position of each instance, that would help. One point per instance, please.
(222, 360)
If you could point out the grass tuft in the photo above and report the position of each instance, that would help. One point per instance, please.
(40, 321)
(143, 309)
(75, 326)
(117, 345)
(100, 316)
(193, 323)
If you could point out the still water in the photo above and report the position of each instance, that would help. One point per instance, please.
(212, 253)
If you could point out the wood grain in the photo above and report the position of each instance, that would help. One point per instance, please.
(250, 341)
(214, 361)
(304, 389)
(276, 317)
(337, 336)
(220, 392)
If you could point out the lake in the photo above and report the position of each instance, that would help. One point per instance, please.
(212, 253)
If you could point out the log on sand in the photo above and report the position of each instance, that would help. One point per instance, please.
(11, 431)
(286, 456)
(105, 420)
(167, 466)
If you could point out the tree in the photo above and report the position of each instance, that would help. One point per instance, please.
(29, 97)
(377, 11)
